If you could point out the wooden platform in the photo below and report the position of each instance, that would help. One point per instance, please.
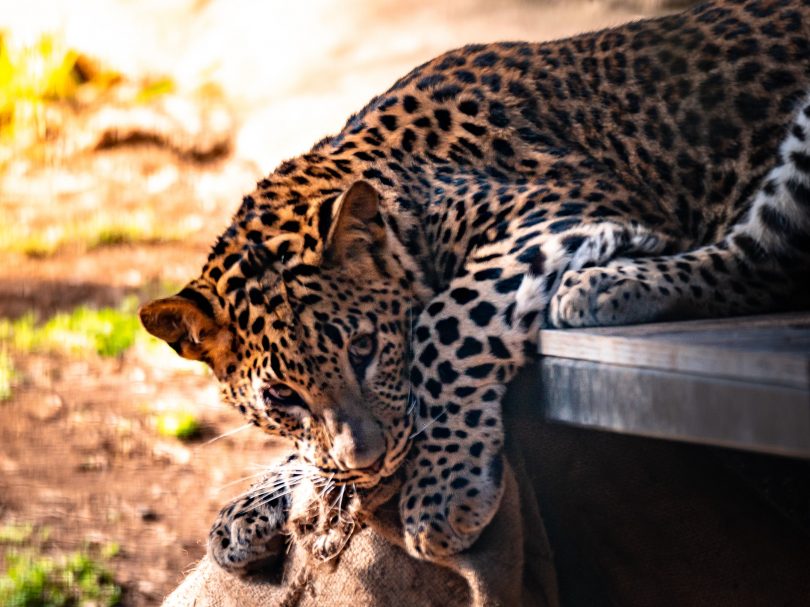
(741, 382)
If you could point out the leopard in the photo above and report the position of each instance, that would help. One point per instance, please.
(372, 299)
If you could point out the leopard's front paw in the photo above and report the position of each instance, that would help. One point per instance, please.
(325, 523)
(249, 533)
(445, 506)
(330, 542)
(601, 296)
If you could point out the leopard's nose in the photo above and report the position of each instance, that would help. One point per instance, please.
(358, 444)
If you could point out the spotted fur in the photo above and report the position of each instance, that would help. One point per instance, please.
(373, 298)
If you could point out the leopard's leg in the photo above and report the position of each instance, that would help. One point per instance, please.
(252, 529)
(464, 355)
(756, 268)
(469, 342)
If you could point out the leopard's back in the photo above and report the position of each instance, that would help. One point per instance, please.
(686, 112)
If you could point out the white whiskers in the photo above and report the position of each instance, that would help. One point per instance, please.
(239, 480)
(227, 433)
(429, 424)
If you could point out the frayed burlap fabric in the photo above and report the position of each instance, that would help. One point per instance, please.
(375, 571)
(370, 572)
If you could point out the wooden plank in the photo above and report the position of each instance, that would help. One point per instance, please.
(672, 405)
(773, 349)
(799, 319)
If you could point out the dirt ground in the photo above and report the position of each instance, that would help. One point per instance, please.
(79, 451)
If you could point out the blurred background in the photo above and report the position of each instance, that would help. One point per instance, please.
(129, 131)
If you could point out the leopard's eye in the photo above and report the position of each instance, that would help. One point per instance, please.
(361, 347)
(281, 395)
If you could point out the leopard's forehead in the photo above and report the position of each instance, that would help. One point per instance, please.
(291, 321)
(277, 233)
(271, 234)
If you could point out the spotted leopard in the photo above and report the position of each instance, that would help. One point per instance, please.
(372, 298)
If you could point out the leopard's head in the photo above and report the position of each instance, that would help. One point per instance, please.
(303, 311)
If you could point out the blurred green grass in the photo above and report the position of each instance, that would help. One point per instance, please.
(105, 331)
(104, 229)
(29, 78)
(180, 424)
(31, 578)
(8, 374)
(16, 533)
(37, 78)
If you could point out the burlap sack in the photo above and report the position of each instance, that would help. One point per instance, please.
(375, 571)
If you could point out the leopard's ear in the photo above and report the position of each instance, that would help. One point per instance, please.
(355, 225)
(188, 328)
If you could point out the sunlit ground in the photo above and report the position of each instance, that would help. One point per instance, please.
(128, 133)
